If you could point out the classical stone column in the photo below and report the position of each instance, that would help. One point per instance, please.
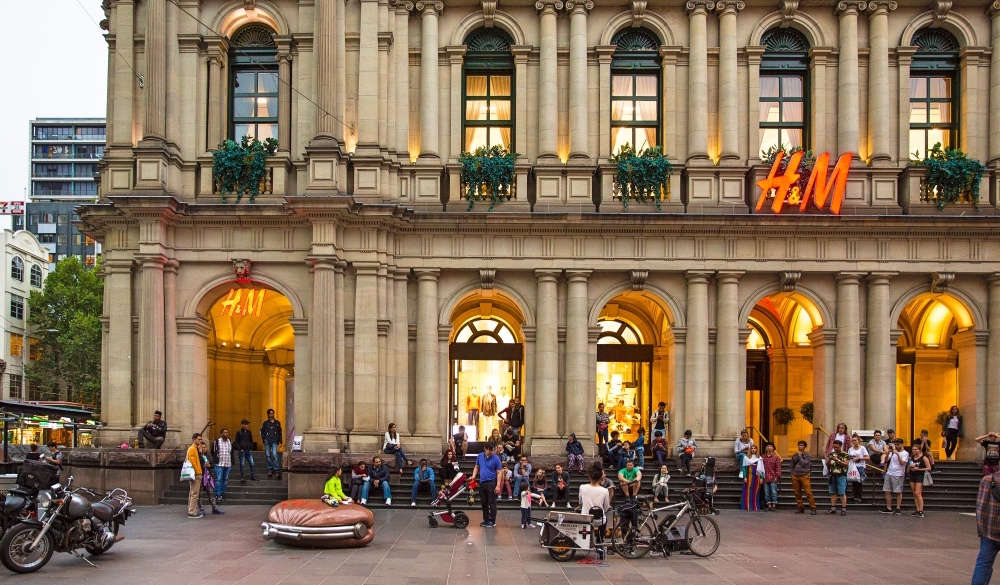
(847, 80)
(728, 390)
(992, 411)
(120, 102)
(401, 342)
(155, 85)
(579, 112)
(995, 83)
(325, 54)
(880, 354)
(284, 101)
(819, 57)
(429, 119)
(324, 346)
(754, 55)
(427, 359)
(116, 397)
(696, 390)
(605, 53)
(544, 408)
(339, 335)
(698, 79)
(151, 356)
(366, 364)
(879, 137)
(729, 129)
(170, 361)
(548, 82)
(368, 74)
(579, 392)
(847, 404)
(401, 53)
(216, 91)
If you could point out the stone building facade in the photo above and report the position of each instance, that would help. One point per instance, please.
(380, 296)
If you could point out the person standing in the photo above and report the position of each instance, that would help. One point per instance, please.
(987, 527)
(897, 461)
(920, 466)
(154, 432)
(687, 449)
(513, 415)
(207, 481)
(222, 454)
(750, 496)
(272, 436)
(837, 462)
(603, 421)
(860, 457)
(33, 454)
(801, 478)
(194, 490)
(244, 447)
(991, 459)
(660, 419)
(772, 476)
(840, 435)
(487, 467)
(560, 481)
(574, 449)
(423, 478)
(952, 432)
(595, 496)
(741, 447)
(378, 477)
(53, 457)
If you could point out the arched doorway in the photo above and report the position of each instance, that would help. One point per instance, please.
(935, 363)
(486, 360)
(634, 368)
(779, 365)
(251, 358)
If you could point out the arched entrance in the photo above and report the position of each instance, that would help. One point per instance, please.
(486, 360)
(251, 358)
(935, 363)
(634, 368)
(779, 365)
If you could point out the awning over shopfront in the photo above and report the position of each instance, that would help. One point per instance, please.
(64, 416)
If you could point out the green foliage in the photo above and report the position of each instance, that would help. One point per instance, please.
(952, 177)
(642, 176)
(240, 168)
(487, 174)
(65, 318)
(806, 165)
(783, 415)
(806, 410)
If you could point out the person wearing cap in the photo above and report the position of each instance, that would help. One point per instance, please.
(244, 447)
(270, 433)
(896, 463)
(154, 433)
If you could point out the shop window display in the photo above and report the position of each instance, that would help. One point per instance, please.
(624, 367)
(485, 375)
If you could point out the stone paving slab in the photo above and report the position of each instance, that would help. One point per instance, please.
(163, 547)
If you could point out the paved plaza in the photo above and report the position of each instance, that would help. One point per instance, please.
(165, 548)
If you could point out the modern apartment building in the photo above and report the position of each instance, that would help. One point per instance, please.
(64, 157)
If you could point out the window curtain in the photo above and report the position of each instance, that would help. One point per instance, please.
(475, 85)
(621, 85)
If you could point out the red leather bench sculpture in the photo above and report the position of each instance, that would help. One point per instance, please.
(311, 523)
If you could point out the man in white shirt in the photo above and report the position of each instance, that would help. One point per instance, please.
(896, 460)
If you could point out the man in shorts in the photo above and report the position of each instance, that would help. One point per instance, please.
(837, 462)
(896, 461)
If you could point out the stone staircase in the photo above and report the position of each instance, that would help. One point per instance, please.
(267, 491)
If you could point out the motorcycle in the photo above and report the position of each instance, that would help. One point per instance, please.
(66, 521)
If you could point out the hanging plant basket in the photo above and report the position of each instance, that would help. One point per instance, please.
(952, 177)
(487, 174)
(641, 176)
(241, 167)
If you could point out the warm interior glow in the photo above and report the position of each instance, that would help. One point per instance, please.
(801, 327)
(936, 325)
(755, 341)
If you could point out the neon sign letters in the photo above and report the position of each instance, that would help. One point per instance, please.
(818, 188)
(252, 306)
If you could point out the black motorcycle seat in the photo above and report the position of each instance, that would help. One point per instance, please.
(14, 503)
(104, 511)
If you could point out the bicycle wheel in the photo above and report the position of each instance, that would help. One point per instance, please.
(702, 535)
(630, 542)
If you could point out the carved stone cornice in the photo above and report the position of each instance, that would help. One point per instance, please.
(851, 7)
(638, 278)
(789, 279)
(401, 6)
(543, 5)
(723, 6)
(585, 5)
(939, 11)
(426, 6)
(489, 12)
(882, 6)
(694, 6)
(487, 277)
(940, 281)
(638, 12)
(788, 9)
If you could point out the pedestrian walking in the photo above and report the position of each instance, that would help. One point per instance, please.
(272, 436)
(244, 445)
(987, 527)
(222, 457)
(487, 467)
(801, 478)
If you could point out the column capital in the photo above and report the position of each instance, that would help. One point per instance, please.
(456, 54)
(299, 326)
(729, 6)
(698, 276)
(521, 54)
(322, 263)
(366, 268)
(401, 274)
(605, 53)
(547, 275)
(124, 265)
(880, 278)
(427, 274)
(994, 279)
(171, 266)
(879, 7)
(699, 7)
(578, 275)
(155, 261)
(904, 55)
(580, 6)
(850, 7)
(729, 276)
(401, 6)
(754, 54)
(429, 7)
(849, 277)
(548, 6)
(994, 8)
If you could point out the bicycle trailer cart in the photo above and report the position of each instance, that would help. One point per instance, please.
(565, 533)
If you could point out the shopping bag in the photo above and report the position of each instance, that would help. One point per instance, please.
(826, 470)
(760, 468)
(187, 471)
(852, 472)
(928, 480)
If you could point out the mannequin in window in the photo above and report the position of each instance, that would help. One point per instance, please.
(488, 408)
(472, 406)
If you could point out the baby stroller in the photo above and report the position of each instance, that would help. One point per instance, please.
(458, 486)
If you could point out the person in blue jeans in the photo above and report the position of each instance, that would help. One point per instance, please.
(243, 443)
(522, 474)
(271, 435)
(391, 446)
(423, 478)
(378, 477)
(639, 446)
(988, 528)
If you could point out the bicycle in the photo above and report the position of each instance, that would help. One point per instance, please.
(638, 531)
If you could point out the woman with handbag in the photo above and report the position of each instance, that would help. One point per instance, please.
(860, 458)
(391, 446)
(920, 476)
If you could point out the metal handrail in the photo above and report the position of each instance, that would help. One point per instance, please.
(816, 430)
(763, 439)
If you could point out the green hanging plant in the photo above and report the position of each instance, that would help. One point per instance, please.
(241, 168)
(952, 177)
(807, 411)
(642, 176)
(488, 174)
(767, 158)
(783, 415)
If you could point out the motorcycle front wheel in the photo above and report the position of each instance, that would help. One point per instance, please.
(15, 553)
(96, 550)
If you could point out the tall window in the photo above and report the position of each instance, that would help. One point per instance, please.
(17, 269)
(635, 89)
(36, 276)
(783, 70)
(487, 101)
(254, 104)
(16, 307)
(933, 74)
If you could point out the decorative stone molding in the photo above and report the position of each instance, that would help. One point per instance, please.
(939, 11)
(638, 12)
(489, 12)
(994, 8)
(695, 5)
(401, 5)
(487, 276)
(725, 5)
(789, 279)
(787, 8)
(638, 278)
(586, 5)
(436, 6)
(940, 281)
(541, 5)
(249, 4)
(849, 5)
(876, 6)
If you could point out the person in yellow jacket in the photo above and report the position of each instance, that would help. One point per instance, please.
(333, 491)
(194, 458)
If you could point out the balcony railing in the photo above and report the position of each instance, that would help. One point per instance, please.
(512, 196)
(63, 136)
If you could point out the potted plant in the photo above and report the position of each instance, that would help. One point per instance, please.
(806, 410)
(488, 174)
(782, 417)
(952, 177)
(942, 419)
(641, 176)
(241, 167)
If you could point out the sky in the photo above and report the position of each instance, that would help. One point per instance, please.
(58, 69)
